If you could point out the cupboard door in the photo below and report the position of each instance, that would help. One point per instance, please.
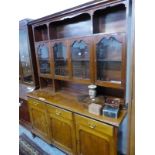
(92, 142)
(43, 57)
(110, 60)
(62, 130)
(81, 59)
(39, 119)
(24, 111)
(60, 58)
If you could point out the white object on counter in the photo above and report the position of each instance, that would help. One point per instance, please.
(94, 108)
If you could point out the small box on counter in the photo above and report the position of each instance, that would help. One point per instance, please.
(110, 111)
(94, 108)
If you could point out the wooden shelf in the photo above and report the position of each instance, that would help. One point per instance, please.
(108, 60)
(111, 19)
(80, 60)
(60, 60)
(41, 33)
(73, 26)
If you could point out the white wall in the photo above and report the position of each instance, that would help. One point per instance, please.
(34, 9)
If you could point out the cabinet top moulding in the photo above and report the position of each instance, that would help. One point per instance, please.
(81, 36)
(93, 5)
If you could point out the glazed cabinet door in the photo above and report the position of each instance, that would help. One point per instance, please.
(43, 59)
(94, 138)
(61, 129)
(110, 58)
(81, 59)
(60, 56)
(38, 115)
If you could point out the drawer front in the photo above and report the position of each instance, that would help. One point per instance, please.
(58, 112)
(94, 125)
(36, 104)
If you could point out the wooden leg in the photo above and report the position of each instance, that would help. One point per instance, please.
(33, 135)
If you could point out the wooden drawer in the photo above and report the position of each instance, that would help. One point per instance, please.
(58, 112)
(37, 104)
(94, 125)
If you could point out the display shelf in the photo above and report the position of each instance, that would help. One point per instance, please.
(71, 26)
(111, 19)
(40, 33)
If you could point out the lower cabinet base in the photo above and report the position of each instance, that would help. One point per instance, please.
(71, 132)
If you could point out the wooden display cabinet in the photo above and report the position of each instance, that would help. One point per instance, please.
(74, 48)
(28, 78)
(81, 33)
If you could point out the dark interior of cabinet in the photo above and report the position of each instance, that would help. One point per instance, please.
(80, 59)
(24, 111)
(73, 89)
(80, 69)
(81, 91)
(75, 26)
(110, 92)
(109, 70)
(41, 33)
(60, 59)
(46, 83)
(111, 19)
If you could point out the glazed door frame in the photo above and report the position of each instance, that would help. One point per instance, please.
(121, 38)
(65, 43)
(88, 41)
(46, 75)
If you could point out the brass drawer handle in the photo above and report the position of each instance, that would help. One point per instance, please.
(35, 103)
(41, 98)
(58, 113)
(92, 126)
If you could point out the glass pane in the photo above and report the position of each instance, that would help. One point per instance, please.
(80, 60)
(43, 56)
(109, 55)
(25, 57)
(60, 59)
(80, 50)
(20, 71)
(81, 69)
